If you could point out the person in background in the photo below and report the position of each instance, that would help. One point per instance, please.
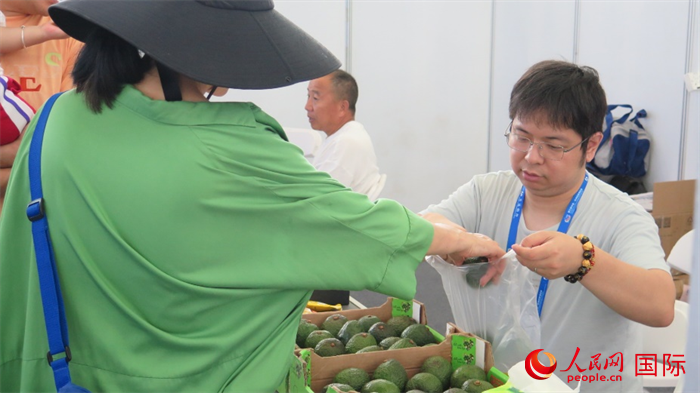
(596, 289)
(189, 235)
(347, 153)
(37, 58)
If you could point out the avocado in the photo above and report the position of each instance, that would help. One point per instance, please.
(371, 348)
(355, 377)
(400, 322)
(425, 382)
(380, 386)
(420, 334)
(388, 342)
(329, 347)
(393, 371)
(381, 330)
(472, 260)
(334, 323)
(367, 321)
(464, 373)
(439, 367)
(474, 275)
(359, 341)
(340, 386)
(348, 330)
(403, 343)
(303, 331)
(476, 386)
(315, 337)
(454, 390)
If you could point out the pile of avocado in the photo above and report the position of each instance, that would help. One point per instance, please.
(337, 335)
(435, 376)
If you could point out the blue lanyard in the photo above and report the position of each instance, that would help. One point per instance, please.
(563, 228)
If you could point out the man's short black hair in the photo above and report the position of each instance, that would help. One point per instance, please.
(345, 88)
(563, 94)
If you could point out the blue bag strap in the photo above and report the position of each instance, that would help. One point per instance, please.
(640, 115)
(609, 120)
(632, 149)
(51, 298)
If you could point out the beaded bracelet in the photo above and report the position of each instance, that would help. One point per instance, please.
(588, 260)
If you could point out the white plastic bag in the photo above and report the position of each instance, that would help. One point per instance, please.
(505, 314)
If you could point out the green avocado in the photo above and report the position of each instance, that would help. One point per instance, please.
(380, 386)
(476, 386)
(439, 367)
(464, 373)
(359, 341)
(393, 371)
(355, 377)
(329, 347)
(420, 334)
(334, 323)
(425, 382)
(303, 331)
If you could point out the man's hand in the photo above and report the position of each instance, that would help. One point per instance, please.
(550, 254)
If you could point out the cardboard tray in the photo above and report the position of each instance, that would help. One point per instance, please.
(391, 308)
(458, 347)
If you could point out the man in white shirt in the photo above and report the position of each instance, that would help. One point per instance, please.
(347, 153)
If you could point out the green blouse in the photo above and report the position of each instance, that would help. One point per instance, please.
(188, 238)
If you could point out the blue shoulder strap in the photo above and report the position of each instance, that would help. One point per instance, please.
(54, 314)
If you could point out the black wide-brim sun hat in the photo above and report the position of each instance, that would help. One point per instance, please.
(243, 44)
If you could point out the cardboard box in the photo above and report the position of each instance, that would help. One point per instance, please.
(392, 307)
(672, 210)
(458, 347)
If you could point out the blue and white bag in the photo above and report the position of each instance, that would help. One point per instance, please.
(624, 149)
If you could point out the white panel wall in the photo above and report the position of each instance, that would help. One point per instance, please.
(323, 20)
(641, 61)
(435, 85)
(691, 147)
(423, 72)
(525, 32)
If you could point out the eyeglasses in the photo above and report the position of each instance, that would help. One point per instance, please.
(546, 150)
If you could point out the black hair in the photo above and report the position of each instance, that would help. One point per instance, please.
(563, 94)
(345, 88)
(105, 64)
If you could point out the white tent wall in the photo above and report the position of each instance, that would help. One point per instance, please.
(435, 77)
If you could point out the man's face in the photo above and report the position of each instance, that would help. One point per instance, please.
(28, 7)
(547, 177)
(323, 109)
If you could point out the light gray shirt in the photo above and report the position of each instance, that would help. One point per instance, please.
(572, 316)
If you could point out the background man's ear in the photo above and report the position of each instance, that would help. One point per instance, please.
(592, 147)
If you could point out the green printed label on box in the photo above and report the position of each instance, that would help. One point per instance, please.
(496, 377)
(463, 351)
(401, 307)
(297, 382)
(305, 355)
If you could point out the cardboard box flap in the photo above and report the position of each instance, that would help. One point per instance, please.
(673, 197)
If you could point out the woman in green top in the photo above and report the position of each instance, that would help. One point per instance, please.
(189, 235)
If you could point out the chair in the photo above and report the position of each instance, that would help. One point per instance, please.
(307, 139)
(668, 340)
(681, 255)
(373, 193)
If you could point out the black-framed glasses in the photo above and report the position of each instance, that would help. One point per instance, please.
(546, 150)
